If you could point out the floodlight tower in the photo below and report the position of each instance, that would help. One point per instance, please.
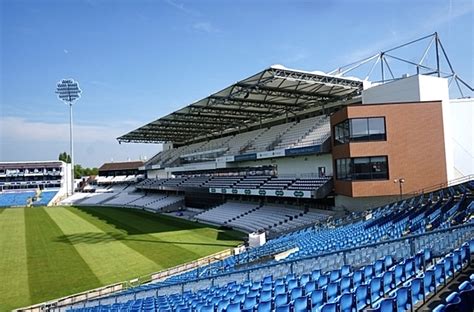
(68, 91)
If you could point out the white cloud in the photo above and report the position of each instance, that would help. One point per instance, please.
(21, 139)
(180, 7)
(206, 27)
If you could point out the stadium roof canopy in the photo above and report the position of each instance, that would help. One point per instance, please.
(271, 93)
(126, 165)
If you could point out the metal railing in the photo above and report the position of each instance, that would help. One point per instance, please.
(439, 241)
(96, 293)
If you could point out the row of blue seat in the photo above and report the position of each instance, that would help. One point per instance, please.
(380, 285)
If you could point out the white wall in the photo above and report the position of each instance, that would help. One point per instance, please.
(402, 90)
(460, 119)
(154, 174)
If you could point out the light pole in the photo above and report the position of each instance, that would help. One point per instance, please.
(68, 91)
(400, 182)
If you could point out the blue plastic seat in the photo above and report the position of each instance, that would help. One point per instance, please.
(267, 279)
(378, 267)
(388, 281)
(346, 270)
(249, 302)
(416, 290)
(267, 287)
(239, 298)
(233, 307)
(293, 283)
(457, 260)
(448, 266)
(266, 295)
(362, 296)
(323, 280)
(346, 303)
(368, 272)
(206, 308)
(317, 298)
(388, 262)
(419, 261)
(309, 287)
(283, 308)
(279, 281)
(453, 303)
(357, 278)
(403, 298)
(334, 275)
(440, 308)
(222, 305)
(439, 274)
(296, 292)
(346, 284)
(304, 279)
(315, 275)
(409, 268)
(399, 273)
(465, 253)
(279, 289)
(300, 304)
(280, 299)
(264, 306)
(375, 289)
(329, 307)
(429, 283)
(332, 290)
(388, 305)
(466, 292)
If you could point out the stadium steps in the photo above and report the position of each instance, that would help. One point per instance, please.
(243, 214)
(279, 136)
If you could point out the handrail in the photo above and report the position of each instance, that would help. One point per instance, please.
(314, 257)
(97, 293)
(443, 185)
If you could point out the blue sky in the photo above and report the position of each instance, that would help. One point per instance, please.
(138, 60)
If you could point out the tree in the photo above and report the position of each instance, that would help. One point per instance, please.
(65, 157)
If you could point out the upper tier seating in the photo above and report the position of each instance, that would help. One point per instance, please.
(238, 182)
(45, 198)
(310, 131)
(10, 199)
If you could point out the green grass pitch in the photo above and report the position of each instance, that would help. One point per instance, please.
(46, 253)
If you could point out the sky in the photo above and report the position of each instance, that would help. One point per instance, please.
(138, 60)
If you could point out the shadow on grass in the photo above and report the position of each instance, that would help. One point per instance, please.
(97, 238)
(136, 222)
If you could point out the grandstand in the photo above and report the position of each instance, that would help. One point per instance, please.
(349, 191)
(31, 183)
(390, 258)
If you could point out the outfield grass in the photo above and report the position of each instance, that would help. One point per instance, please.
(46, 253)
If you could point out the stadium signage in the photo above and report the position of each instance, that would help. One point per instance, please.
(262, 192)
(245, 157)
(313, 149)
(271, 154)
(298, 193)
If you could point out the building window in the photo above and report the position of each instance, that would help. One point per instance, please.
(362, 168)
(360, 130)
